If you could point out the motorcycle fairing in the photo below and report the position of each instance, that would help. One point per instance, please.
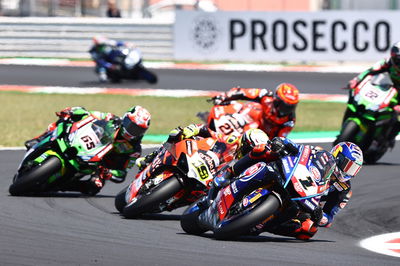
(373, 97)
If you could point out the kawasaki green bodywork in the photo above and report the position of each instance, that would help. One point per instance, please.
(371, 104)
(79, 146)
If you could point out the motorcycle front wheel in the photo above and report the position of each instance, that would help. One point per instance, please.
(149, 200)
(147, 75)
(240, 224)
(190, 220)
(120, 201)
(348, 132)
(31, 180)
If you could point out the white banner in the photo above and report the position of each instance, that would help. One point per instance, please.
(285, 36)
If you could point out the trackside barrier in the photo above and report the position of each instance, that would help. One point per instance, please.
(72, 37)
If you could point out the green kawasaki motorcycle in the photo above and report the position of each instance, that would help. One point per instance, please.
(69, 152)
(370, 119)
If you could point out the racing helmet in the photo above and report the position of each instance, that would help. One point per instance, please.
(100, 40)
(286, 97)
(349, 159)
(249, 140)
(135, 122)
(395, 54)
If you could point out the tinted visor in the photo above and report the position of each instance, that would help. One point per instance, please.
(283, 108)
(348, 167)
(130, 130)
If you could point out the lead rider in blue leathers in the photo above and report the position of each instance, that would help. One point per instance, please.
(296, 222)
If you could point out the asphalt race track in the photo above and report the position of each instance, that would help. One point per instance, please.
(70, 229)
(307, 82)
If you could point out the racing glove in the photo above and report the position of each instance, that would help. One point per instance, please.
(283, 146)
(352, 83)
(190, 131)
(141, 163)
(218, 100)
(175, 135)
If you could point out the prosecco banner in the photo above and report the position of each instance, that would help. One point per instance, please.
(285, 36)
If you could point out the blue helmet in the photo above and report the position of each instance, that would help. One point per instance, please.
(349, 160)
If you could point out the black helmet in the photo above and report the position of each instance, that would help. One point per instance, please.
(395, 54)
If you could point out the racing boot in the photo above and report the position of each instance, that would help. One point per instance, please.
(102, 75)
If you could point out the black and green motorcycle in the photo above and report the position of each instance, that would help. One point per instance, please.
(370, 118)
(69, 152)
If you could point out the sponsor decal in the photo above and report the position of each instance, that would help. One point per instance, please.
(221, 210)
(210, 162)
(297, 187)
(286, 166)
(255, 197)
(227, 191)
(305, 155)
(319, 165)
(251, 171)
(189, 147)
(315, 173)
(284, 36)
(289, 159)
(337, 186)
(309, 204)
(245, 202)
(234, 187)
(205, 33)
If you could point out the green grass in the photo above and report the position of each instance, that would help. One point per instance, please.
(24, 115)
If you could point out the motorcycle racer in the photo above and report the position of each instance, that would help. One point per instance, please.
(278, 108)
(296, 221)
(390, 65)
(225, 147)
(126, 146)
(101, 53)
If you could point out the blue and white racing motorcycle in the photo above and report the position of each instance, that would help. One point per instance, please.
(260, 193)
(129, 62)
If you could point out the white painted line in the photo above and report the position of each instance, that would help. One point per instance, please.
(387, 244)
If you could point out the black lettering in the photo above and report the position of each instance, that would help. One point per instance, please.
(317, 35)
(385, 39)
(356, 44)
(335, 46)
(236, 32)
(258, 35)
(279, 24)
(300, 35)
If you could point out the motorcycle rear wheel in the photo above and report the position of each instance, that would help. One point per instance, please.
(147, 201)
(242, 224)
(31, 180)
